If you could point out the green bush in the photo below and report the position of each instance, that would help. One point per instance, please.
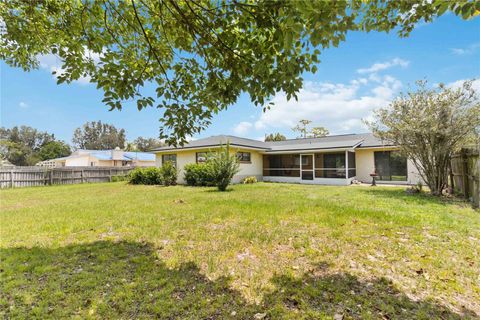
(168, 174)
(199, 174)
(119, 178)
(149, 175)
(225, 165)
(250, 180)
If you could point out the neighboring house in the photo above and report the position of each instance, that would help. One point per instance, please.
(102, 158)
(327, 160)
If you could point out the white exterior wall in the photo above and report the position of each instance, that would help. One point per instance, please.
(184, 157)
(365, 162)
(78, 161)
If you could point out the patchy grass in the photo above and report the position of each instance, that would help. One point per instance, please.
(268, 251)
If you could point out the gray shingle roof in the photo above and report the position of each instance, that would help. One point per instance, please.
(215, 141)
(362, 140)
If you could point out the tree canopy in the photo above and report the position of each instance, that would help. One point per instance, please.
(200, 55)
(54, 149)
(275, 137)
(96, 135)
(145, 144)
(25, 146)
(429, 125)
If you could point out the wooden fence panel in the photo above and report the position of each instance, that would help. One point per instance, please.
(19, 177)
(466, 174)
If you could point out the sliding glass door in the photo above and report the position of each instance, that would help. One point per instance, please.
(390, 166)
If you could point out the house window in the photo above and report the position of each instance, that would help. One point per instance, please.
(244, 157)
(390, 166)
(91, 164)
(204, 156)
(330, 165)
(169, 157)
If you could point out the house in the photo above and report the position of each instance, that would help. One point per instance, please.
(102, 158)
(336, 159)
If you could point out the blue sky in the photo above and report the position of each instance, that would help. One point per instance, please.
(365, 72)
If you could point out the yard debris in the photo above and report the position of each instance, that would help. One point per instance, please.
(338, 316)
(259, 316)
(179, 201)
(245, 255)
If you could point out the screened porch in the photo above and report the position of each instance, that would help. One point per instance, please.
(316, 167)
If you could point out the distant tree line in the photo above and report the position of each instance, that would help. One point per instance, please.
(25, 146)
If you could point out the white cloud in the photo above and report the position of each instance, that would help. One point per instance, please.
(338, 107)
(380, 66)
(466, 51)
(243, 128)
(23, 105)
(53, 63)
(459, 84)
(259, 125)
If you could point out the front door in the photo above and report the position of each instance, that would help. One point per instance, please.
(306, 166)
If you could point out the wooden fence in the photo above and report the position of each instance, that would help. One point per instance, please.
(466, 174)
(38, 176)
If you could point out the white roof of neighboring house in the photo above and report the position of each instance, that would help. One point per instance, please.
(109, 155)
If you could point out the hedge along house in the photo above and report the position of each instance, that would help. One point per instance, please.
(334, 160)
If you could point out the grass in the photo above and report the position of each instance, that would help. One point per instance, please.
(271, 251)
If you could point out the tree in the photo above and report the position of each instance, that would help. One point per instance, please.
(20, 145)
(318, 132)
(96, 135)
(302, 128)
(275, 137)
(54, 149)
(224, 166)
(146, 144)
(200, 55)
(429, 125)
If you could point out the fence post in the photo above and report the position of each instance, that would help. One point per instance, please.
(465, 176)
(81, 175)
(110, 175)
(50, 176)
(11, 179)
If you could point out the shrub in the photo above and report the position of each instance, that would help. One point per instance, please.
(150, 176)
(199, 174)
(168, 174)
(118, 178)
(250, 180)
(225, 165)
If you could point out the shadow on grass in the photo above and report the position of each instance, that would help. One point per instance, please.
(417, 199)
(125, 280)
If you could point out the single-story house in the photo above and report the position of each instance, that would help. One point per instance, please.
(102, 158)
(336, 159)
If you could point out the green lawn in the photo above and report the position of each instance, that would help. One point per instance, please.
(268, 251)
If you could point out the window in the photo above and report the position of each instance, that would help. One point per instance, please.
(92, 164)
(281, 165)
(204, 156)
(169, 157)
(390, 166)
(244, 157)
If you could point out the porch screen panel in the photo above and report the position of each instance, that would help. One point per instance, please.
(330, 165)
(281, 165)
(352, 172)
